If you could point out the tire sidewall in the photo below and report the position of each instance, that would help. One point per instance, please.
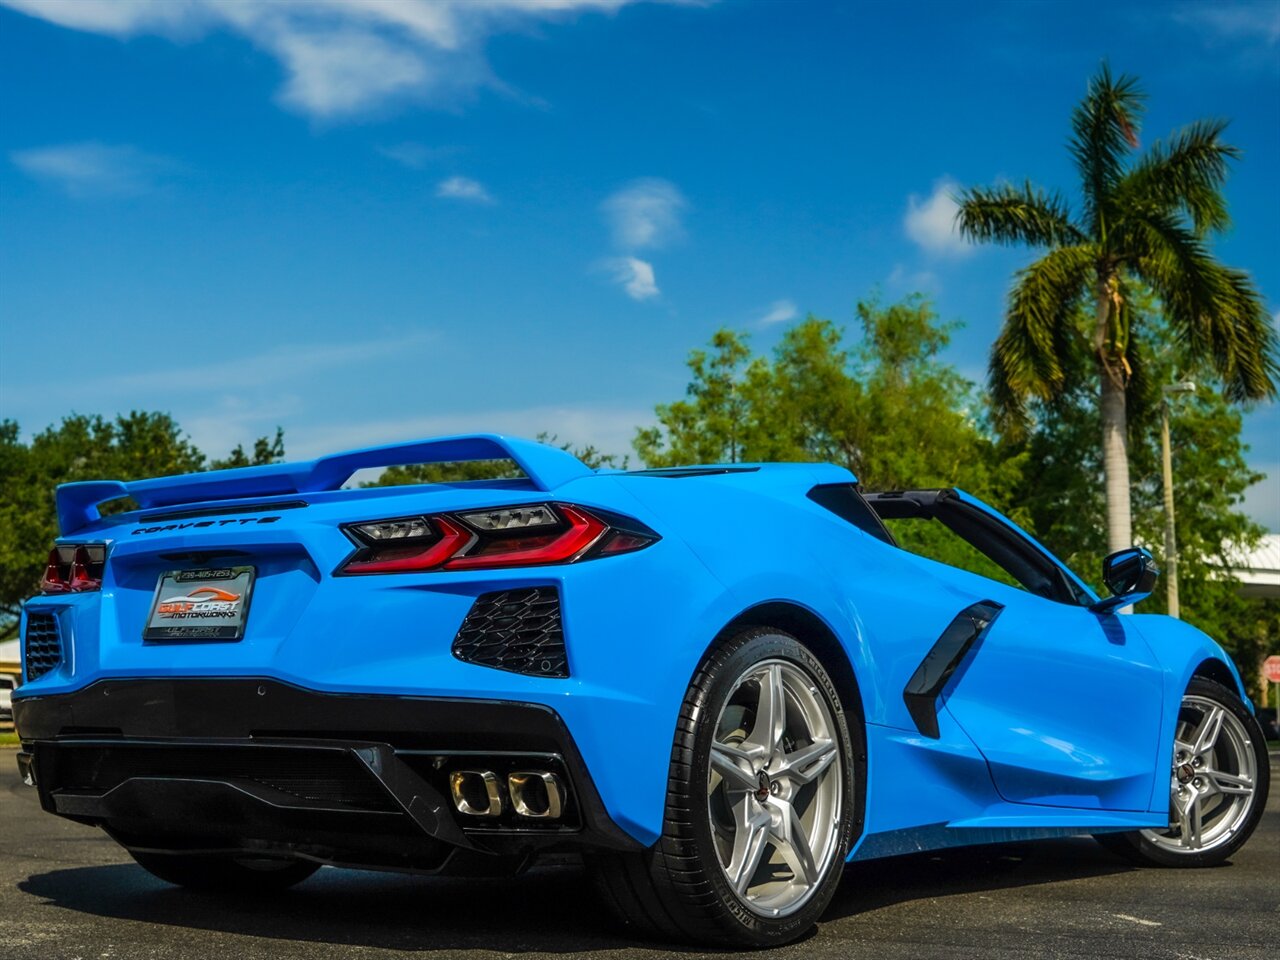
(745, 651)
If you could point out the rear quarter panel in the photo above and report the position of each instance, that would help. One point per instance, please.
(764, 540)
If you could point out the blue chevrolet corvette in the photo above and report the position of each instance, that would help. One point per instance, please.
(714, 684)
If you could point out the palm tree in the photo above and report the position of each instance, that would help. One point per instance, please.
(1143, 222)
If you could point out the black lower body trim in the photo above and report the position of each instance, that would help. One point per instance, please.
(261, 766)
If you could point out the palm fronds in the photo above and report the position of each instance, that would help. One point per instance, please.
(1104, 129)
(1186, 174)
(1015, 215)
(1028, 357)
(1215, 310)
(1148, 220)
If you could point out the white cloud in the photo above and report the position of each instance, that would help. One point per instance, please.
(644, 214)
(463, 188)
(118, 17)
(635, 276)
(94, 169)
(415, 155)
(1253, 21)
(335, 72)
(341, 57)
(930, 221)
(780, 311)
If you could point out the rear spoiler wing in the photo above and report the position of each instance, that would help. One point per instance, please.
(547, 468)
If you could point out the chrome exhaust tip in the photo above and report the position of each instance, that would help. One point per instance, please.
(536, 794)
(475, 793)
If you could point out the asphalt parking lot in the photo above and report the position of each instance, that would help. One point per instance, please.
(68, 892)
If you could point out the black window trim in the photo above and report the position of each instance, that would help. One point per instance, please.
(946, 506)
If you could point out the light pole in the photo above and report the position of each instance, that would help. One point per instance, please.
(1166, 462)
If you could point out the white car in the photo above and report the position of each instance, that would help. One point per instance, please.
(9, 677)
(7, 683)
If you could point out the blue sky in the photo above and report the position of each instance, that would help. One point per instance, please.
(377, 220)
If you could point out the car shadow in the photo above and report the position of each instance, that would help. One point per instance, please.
(552, 910)
(875, 884)
(549, 910)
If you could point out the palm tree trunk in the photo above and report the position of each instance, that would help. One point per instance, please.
(1115, 462)
(1115, 425)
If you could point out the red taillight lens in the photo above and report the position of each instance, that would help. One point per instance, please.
(527, 535)
(86, 572)
(74, 568)
(422, 553)
(55, 581)
(514, 551)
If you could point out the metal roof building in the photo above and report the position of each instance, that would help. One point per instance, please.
(1258, 570)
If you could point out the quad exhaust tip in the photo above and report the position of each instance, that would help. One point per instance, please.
(475, 793)
(534, 794)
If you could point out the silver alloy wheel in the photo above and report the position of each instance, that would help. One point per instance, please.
(1211, 788)
(774, 790)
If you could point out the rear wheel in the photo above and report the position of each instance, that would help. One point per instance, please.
(1217, 785)
(761, 803)
(247, 875)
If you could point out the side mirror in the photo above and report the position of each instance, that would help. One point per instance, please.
(1130, 575)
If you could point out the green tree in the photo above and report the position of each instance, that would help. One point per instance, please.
(709, 426)
(1143, 221)
(264, 451)
(885, 407)
(129, 447)
(413, 473)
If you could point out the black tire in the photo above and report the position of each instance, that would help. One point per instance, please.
(677, 889)
(210, 874)
(1138, 848)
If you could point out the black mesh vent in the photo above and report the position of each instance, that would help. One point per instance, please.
(327, 777)
(516, 630)
(43, 646)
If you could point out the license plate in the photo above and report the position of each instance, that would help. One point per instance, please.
(197, 605)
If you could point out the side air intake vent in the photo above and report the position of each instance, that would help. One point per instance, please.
(42, 645)
(516, 630)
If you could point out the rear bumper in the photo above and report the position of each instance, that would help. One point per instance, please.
(257, 765)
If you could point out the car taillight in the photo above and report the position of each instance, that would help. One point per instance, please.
(74, 568)
(431, 546)
(526, 535)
